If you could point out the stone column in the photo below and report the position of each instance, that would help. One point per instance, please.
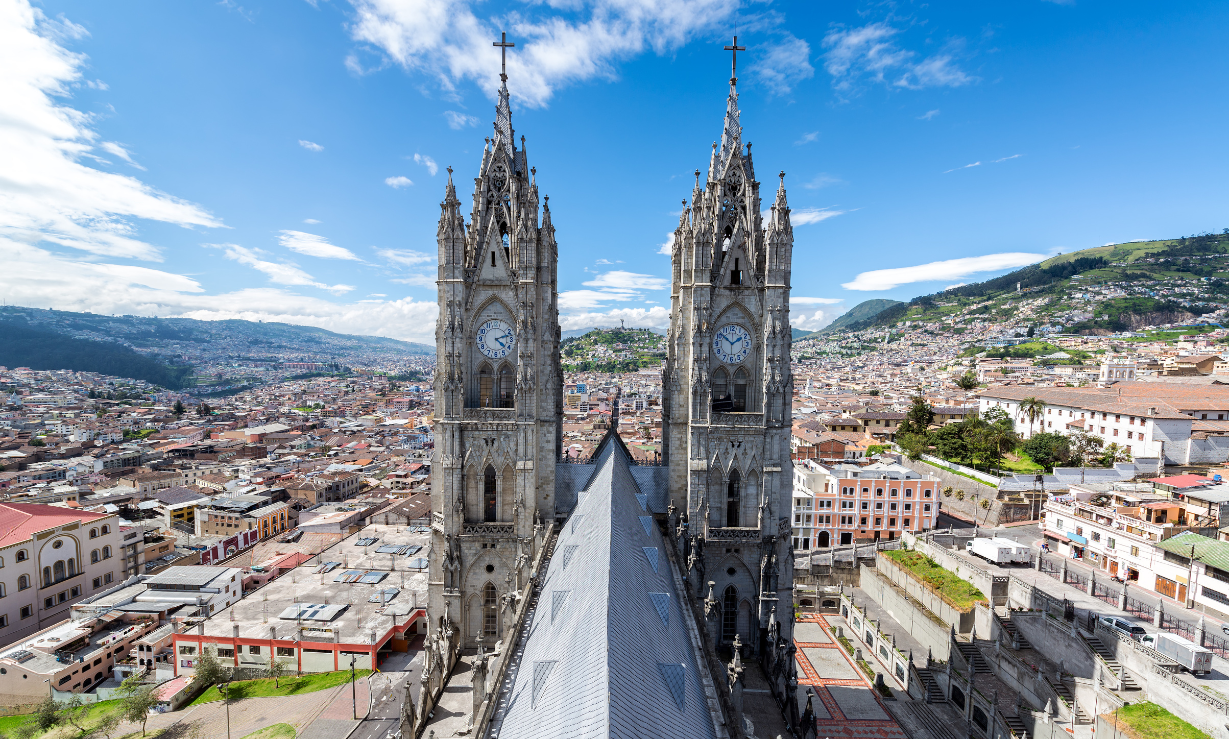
(1122, 597)
(1199, 632)
(1063, 576)
(1156, 615)
(1039, 555)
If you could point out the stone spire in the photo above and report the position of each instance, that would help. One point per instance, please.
(503, 121)
(731, 133)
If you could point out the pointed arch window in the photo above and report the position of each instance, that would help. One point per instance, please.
(504, 239)
(729, 614)
(58, 571)
(486, 386)
(721, 390)
(739, 396)
(46, 576)
(490, 610)
(507, 386)
(733, 499)
(489, 509)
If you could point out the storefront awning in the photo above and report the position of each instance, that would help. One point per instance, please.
(1077, 539)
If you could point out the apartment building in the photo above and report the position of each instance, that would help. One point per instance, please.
(70, 657)
(874, 502)
(50, 558)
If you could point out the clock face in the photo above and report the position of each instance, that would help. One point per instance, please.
(495, 339)
(732, 343)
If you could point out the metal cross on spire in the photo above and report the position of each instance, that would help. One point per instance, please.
(504, 45)
(735, 48)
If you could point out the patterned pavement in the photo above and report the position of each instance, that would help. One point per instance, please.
(845, 707)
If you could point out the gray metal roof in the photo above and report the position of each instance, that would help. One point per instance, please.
(608, 653)
(192, 575)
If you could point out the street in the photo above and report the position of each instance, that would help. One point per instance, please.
(387, 693)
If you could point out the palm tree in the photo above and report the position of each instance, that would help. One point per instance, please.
(1032, 408)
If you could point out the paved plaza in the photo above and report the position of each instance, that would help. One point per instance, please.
(845, 703)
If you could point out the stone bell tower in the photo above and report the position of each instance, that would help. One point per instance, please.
(727, 392)
(498, 404)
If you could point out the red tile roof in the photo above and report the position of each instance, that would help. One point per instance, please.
(18, 521)
(1182, 481)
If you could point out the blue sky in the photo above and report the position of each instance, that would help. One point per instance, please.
(285, 160)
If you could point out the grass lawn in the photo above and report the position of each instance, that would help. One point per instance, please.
(1150, 721)
(958, 593)
(845, 643)
(97, 711)
(265, 686)
(958, 472)
(1018, 461)
(276, 731)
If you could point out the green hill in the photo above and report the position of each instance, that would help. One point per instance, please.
(1156, 267)
(860, 313)
(613, 350)
(46, 350)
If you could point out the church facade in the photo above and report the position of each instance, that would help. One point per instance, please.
(696, 548)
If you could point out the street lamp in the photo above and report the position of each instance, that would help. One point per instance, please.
(353, 688)
(226, 702)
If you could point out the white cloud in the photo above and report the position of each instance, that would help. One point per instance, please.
(807, 138)
(950, 269)
(795, 300)
(311, 221)
(46, 193)
(314, 246)
(871, 52)
(398, 182)
(967, 166)
(823, 179)
(786, 63)
(607, 262)
(38, 278)
(427, 162)
(654, 317)
(1004, 159)
(113, 148)
(813, 321)
(310, 145)
(405, 257)
(421, 266)
(804, 216)
(621, 280)
(449, 41)
(279, 273)
(928, 115)
(457, 121)
(667, 246)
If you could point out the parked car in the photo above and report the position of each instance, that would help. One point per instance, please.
(1126, 628)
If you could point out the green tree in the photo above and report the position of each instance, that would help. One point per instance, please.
(1032, 331)
(918, 418)
(204, 411)
(136, 698)
(967, 381)
(994, 435)
(1086, 447)
(952, 443)
(179, 409)
(1032, 408)
(1115, 453)
(914, 445)
(46, 714)
(277, 669)
(1047, 449)
(209, 671)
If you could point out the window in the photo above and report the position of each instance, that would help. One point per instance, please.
(97, 582)
(22, 556)
(47, 576)
(733, 499)
(507, 386)
(285, 651)
(891, 523)
(1096, 536)
(490, 610)
(75, 591)
(94, 557)
(879, 492)
(1115, 432)
(27, 611)
(108, 577)
(893, 492)
(4, 621)
(906, 523)
(48, 603)
(879, 505)
(106, 552)
(23, 582)
(488, 495)
(926, 508)
(740, 389)
(1058, 523)
(226, 652)
(729, 614)
(1109, 542)
(926, 494)
(863, 523)
(1134, 551)
(93, 533)
(485, 379)
(892, 507)
(106, 530)
(721, 382)
(253, 649)
(187, 650)
(1215, 595)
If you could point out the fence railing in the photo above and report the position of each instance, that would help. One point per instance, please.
(1216, 644)
(1139, 608)
(1106, 593)
(1077, 581)
(1177, 626)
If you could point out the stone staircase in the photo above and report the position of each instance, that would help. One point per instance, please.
(1064, 693)
(934, 694)
(972, 657)
(1017, 727)
(921, 713)
(1098, 646)
(1013, 634)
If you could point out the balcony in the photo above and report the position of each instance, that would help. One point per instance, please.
(733, 533)
(719, 418)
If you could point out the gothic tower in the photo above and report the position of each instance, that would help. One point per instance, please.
(727, 391)
(498, 403)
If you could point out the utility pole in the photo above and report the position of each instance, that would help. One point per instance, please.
(226, 702)
(353, 689)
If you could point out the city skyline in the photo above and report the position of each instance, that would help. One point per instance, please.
(302, 149)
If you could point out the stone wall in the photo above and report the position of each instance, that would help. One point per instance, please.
(968, 508)
(923, 625)
(1060, 642)
(916, 589)
(992, 586)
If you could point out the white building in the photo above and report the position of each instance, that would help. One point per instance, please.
(809, 477)
(50, 558)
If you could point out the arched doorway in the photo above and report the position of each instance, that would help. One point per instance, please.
(733, 499)
(824, 539)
